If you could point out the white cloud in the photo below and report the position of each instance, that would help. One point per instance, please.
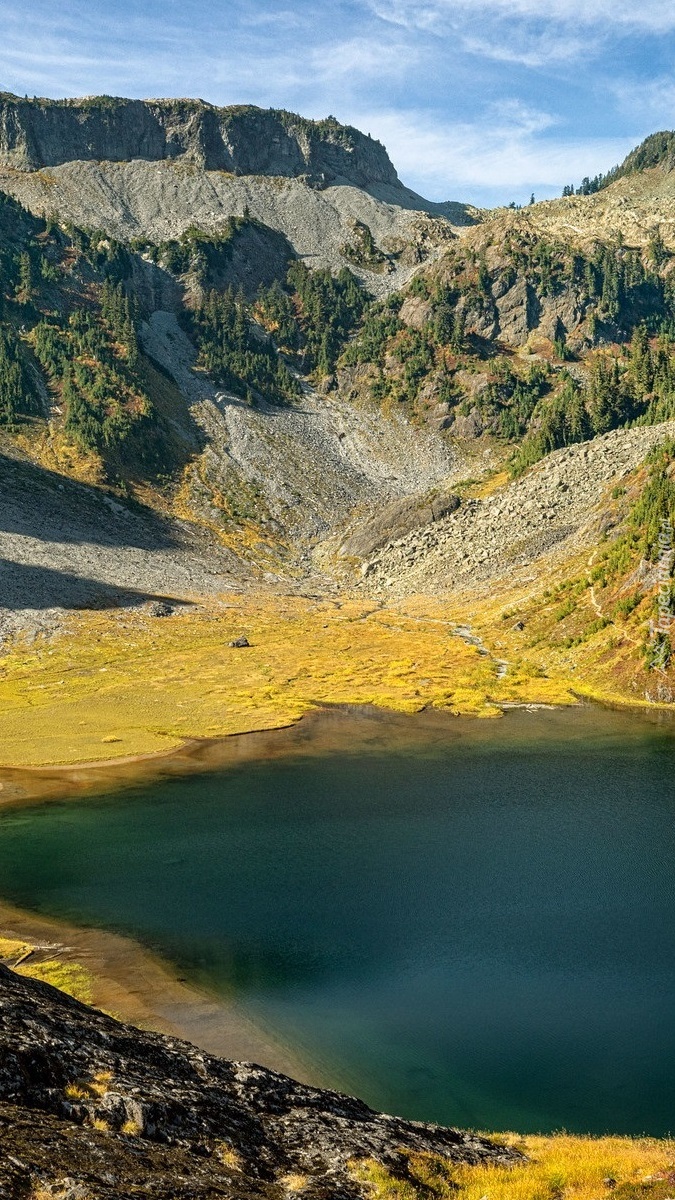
(359, 60)
(656, 16)
(261, 60)
(529, 32)
(538, 50)
(650, 101)
(283, 17)
(501, 155)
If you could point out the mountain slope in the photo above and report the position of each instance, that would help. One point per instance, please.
(638, 203)
(153, 169)
(307, 424)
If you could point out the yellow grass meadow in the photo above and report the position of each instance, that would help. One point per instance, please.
(113, 685)
(559, 1167)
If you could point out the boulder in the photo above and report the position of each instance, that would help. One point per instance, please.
(397, 519)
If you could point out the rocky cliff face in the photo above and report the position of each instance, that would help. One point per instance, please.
(92, 1107)
(241, 140)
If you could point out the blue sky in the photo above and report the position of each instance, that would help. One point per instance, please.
(478, 100)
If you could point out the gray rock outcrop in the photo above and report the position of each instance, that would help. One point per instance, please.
(397, 519)
(240, 139)
(554, 508)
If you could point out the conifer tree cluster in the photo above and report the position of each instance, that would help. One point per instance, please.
(80, 331)
(640, 540)
(329, 308)
(637, 386)
(237, 356)
(279, 316)
(18, 391)
(381, 323)
(620, 290)
(308, 322)
(120, 313)
(91, 359)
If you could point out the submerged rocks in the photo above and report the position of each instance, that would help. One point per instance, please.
(87, 1100)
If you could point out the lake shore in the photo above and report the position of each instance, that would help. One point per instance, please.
(123, 685)
(265, 802)
(320, 730)
(139, 988)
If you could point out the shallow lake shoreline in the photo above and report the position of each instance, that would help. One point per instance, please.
(196, 755)
(261, 819)
(140, 988)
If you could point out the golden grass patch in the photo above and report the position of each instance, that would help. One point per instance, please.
(118, 684)
(131, 1128)
(293, 1182)
(67, 977)
(11, 949)
(560, 1167)
(229, 1157)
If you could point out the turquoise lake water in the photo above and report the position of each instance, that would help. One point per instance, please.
(466, 921)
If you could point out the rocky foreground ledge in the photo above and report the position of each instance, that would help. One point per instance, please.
(93, 1108)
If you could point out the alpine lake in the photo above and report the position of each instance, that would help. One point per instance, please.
(465, 921)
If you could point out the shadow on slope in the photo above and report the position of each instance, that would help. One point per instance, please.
(454, 211)
(37, 587)
(36, 502)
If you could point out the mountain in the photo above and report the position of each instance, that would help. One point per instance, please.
(276, 433)
(240, 328)
(657, 150)
(156, 168)
(240, 139)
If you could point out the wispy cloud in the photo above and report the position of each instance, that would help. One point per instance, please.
(358, 59)
(497, 157)
(650, 102)
(530, 50)
(284, 18)
(656, 16)
(527, 32)
(480, 99)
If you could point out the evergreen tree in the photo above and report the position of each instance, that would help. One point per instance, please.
(25, 288)
(18, 394)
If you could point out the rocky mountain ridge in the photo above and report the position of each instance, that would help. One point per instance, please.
(274, 408)
(154, 169)
(239, 139)
(438, 410)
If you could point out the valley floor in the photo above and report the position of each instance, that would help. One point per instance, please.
(121, 684)
(112, 685)
(490, 606)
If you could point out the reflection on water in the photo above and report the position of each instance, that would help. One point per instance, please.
(466, 921)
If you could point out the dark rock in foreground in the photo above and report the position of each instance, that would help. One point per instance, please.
(92, 1107)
